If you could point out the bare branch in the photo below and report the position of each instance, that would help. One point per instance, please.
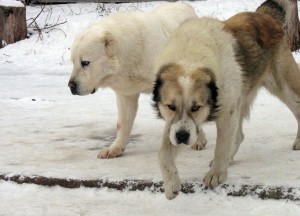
(48, 25)
(34, 19)
(72, 11)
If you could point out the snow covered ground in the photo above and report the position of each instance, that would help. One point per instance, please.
(46, 131)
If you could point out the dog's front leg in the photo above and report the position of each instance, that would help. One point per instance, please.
(127, 109)
(168, 168)
(201, 140)
(226, 133)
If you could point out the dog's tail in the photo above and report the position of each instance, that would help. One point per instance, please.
(285, 11)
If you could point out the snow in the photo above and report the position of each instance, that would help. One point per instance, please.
(47, 131)
(11, 3)
(34, 200)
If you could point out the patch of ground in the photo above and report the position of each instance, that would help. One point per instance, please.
(260, 191)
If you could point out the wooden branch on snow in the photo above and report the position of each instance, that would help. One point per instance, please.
(260, 191)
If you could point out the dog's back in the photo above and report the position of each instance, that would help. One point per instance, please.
(285, 12)
(142, 34)
(257, 35)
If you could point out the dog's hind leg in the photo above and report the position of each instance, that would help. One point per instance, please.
(246, 102)
(127, 109)
(167, 154)
(239, 138)
(284, 82)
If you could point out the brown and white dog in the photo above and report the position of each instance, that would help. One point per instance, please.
(212, 70)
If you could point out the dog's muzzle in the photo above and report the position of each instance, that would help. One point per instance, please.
(182, 137)
(73, 87)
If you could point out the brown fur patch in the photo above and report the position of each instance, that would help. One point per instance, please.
(202, 75)
(170, 72)
(266, 31)
(170, 90)
(167, 85)
(286, 12)
(273, 9)
(206, 89)
(258, 36)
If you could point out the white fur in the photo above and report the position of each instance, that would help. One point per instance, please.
(185, 123)
(195, 44)
(205, 43)
(122, 49)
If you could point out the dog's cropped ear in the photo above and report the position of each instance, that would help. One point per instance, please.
(109, 44)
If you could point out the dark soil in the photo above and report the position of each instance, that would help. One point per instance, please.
(260, 191)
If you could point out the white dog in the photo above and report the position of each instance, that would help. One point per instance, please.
(119, 53)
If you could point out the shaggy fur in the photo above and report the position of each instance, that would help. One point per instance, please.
(226, 62)
(119, 52)
(286, 12)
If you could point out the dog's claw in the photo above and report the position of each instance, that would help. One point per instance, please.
(212, 180)
(296, 145)
(199, 146)
(172, 189)
(200, 143)
(108, 153)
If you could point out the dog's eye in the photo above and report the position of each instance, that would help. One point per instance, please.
(195, 108)
(84, 63)
(172, 107)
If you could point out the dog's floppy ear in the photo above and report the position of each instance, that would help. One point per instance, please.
(205, 76)
(109, 44)
(163, 74)
(168, 72)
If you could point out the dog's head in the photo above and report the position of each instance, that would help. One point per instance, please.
(185, 101)
(94, 62)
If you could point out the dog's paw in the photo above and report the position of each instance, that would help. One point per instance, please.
(200, 144)
(213, 179)
(108, 153)
(172, 188)
(296, 145)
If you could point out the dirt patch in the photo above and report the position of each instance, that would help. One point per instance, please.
(260, 191)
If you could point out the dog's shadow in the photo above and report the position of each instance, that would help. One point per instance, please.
(108, 137)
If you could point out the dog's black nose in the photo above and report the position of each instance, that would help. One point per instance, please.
(182, 136)
(73, 87)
